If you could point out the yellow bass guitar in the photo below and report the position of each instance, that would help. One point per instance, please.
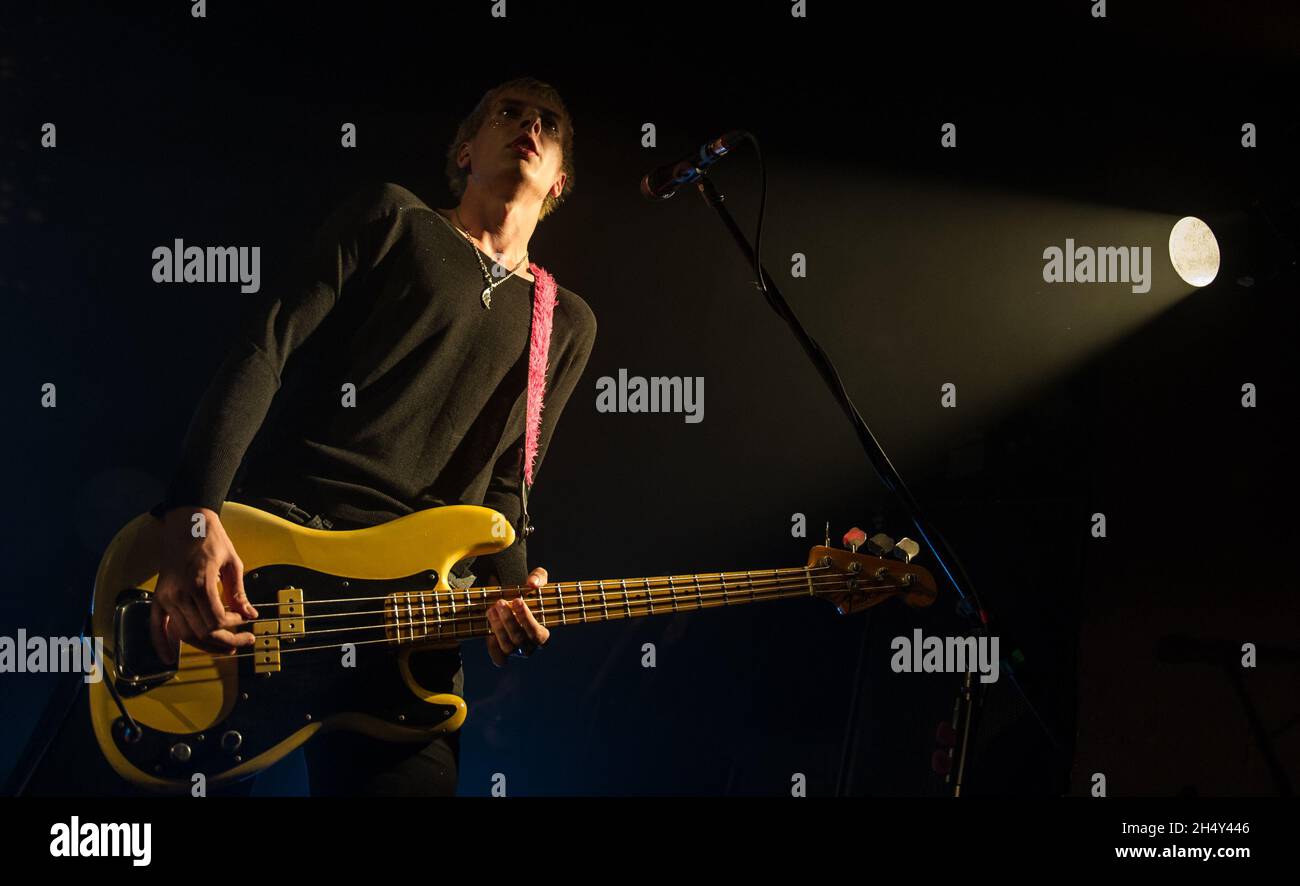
(340, 615)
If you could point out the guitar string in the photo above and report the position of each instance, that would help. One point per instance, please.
(578, 604)
(326, 647)
(459, 595)
(412, 602)
(658, 580)
(638, 610)
(475, 612)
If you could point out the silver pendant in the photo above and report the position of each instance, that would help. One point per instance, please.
(487, 297)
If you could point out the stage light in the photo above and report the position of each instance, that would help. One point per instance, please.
(1249, 246)
(1193, 251)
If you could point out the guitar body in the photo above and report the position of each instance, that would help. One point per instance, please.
(348, 626)
(231, 716)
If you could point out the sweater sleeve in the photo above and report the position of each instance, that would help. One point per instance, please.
(509, 568)
(279, 321)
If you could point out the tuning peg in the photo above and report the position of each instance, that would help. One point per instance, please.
(880, 544)
(854, 539)
(906, 549)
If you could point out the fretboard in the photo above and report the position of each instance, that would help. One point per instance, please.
(462, 614)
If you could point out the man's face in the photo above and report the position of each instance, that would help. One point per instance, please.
(519, 142)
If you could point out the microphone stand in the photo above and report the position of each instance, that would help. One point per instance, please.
(970, 607)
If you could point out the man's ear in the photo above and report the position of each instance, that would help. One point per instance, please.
(558, 188)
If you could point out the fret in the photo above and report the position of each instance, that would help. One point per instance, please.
(462, 609)
(455, 625)
(602, 611)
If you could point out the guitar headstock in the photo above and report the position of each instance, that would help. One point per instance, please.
(870, 572)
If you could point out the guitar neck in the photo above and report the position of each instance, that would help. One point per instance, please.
(419, 616)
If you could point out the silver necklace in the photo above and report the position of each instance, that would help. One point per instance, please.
(488, 285)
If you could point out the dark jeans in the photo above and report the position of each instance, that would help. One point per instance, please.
(348, 764)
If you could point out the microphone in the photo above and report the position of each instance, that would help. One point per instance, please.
(662, 183)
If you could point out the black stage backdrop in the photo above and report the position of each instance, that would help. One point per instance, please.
(924, 268)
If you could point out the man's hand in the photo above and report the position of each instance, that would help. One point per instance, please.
(513, 625)
(188, 600)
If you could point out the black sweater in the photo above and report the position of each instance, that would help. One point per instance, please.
(386, 300)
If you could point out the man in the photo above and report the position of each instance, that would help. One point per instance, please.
(407, 391)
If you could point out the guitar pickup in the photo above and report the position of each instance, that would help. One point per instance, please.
(271, 633)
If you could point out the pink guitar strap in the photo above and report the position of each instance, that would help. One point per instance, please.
(539, 346)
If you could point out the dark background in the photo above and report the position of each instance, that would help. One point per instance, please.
(925, 267)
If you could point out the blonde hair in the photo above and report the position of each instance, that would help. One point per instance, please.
(469, 127)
